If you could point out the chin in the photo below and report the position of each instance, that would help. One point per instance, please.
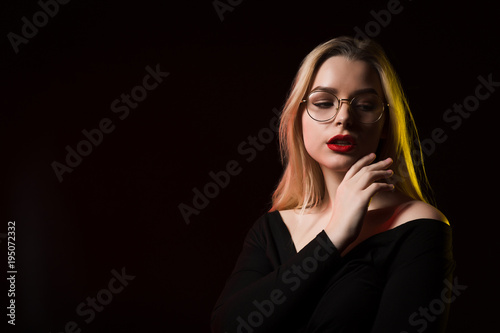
(338, 162)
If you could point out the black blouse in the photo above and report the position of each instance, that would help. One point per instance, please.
(398, 281)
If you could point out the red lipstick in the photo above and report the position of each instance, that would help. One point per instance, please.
(341, 143)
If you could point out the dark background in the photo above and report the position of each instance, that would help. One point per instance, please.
(119, 207)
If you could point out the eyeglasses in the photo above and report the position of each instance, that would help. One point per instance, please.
(323, 106)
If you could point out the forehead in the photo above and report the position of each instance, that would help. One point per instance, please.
(346, 76)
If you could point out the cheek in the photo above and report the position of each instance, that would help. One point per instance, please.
(368, 140)
(371, 137)
(311, 134)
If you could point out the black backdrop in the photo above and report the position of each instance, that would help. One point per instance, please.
(118, 211)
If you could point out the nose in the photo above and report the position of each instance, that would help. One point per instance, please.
(344, 115)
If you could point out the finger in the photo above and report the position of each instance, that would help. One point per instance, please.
(370, 177)
(368, 169)
(380, 165)
(375, 188)
(362, 162)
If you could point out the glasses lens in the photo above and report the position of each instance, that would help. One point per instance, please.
(367, 107)
(322, 105)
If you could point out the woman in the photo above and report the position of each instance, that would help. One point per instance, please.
(351, 243)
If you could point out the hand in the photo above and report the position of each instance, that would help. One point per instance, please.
(353, 198)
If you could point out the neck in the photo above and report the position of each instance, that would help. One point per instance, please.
(332, 182)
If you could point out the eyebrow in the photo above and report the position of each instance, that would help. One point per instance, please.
(335, 91)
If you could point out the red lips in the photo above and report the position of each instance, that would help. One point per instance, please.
(341, 143)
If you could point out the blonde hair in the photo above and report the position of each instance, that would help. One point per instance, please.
(302, 184)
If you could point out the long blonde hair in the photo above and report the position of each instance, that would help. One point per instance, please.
(302, 184)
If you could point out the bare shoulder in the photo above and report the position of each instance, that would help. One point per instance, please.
(416, 209)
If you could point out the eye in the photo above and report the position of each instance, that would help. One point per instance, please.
(367, 103)
(323, 104)
(322, 100)
(365, 107)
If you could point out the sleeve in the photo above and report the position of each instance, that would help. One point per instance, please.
(258, 297)
(419, 287)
